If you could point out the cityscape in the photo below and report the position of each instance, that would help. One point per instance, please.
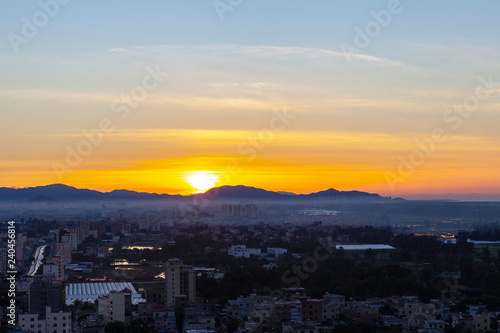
(249, 166)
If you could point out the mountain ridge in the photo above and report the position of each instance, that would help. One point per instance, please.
(62, 192)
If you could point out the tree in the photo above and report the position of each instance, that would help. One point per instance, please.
(370, 254)
(179, 318)
(115, 327)
(232, 325)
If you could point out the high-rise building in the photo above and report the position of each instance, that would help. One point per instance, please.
(44, 292)
(104, 211)
(180, 279)
(112, 306)
(63, 250)
(240, 210)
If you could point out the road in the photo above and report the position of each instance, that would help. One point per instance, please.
(37, 262)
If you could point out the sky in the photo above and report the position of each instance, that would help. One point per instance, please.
(400, 98)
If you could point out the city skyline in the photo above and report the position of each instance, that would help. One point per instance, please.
(179, 97)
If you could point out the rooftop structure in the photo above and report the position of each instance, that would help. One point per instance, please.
(358, 247)
(89, 292)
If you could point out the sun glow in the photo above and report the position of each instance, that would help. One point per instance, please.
(201, 180)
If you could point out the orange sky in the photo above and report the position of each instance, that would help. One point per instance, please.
(256, 116)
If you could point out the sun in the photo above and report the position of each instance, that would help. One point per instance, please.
(201, 180)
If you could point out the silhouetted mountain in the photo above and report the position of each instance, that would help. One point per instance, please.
(242, 192)
(42, 198)
(344, 195)
(60, 192)
(285, 193)
(54, 191)
(132, 195)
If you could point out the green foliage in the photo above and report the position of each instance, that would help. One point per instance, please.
(232, 325)
(115, 327)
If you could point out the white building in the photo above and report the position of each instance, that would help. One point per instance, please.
(242, 251)
(112, 306)
(89, 292)
(276, 251)
(362, 247)
(54, 322)
(70, 238)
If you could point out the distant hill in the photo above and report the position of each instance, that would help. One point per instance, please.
(58, 192)
(242, 192)
(344, 195)
(42, 198)
(61, 192)
(286, 193)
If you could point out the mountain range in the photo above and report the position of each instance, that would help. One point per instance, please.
(61, 192)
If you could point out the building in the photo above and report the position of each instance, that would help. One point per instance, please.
(55, 267)
(240, 210)
(112, 306)
(63, 250)
(89, 292)
(179, 280)
(242, 251)
(333, 307)
(276, 251)
(311, 309)
(3, 260)
(481, 323)
(433, 326)
(71, 239)
(51, 269)
(53, 322)
(44, 293)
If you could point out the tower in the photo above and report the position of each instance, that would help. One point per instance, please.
(179, 280)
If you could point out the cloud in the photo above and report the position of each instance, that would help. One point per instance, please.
(255, 51)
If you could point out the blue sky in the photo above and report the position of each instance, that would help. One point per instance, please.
(91, 26)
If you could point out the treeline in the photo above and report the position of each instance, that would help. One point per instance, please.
(485, 232)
